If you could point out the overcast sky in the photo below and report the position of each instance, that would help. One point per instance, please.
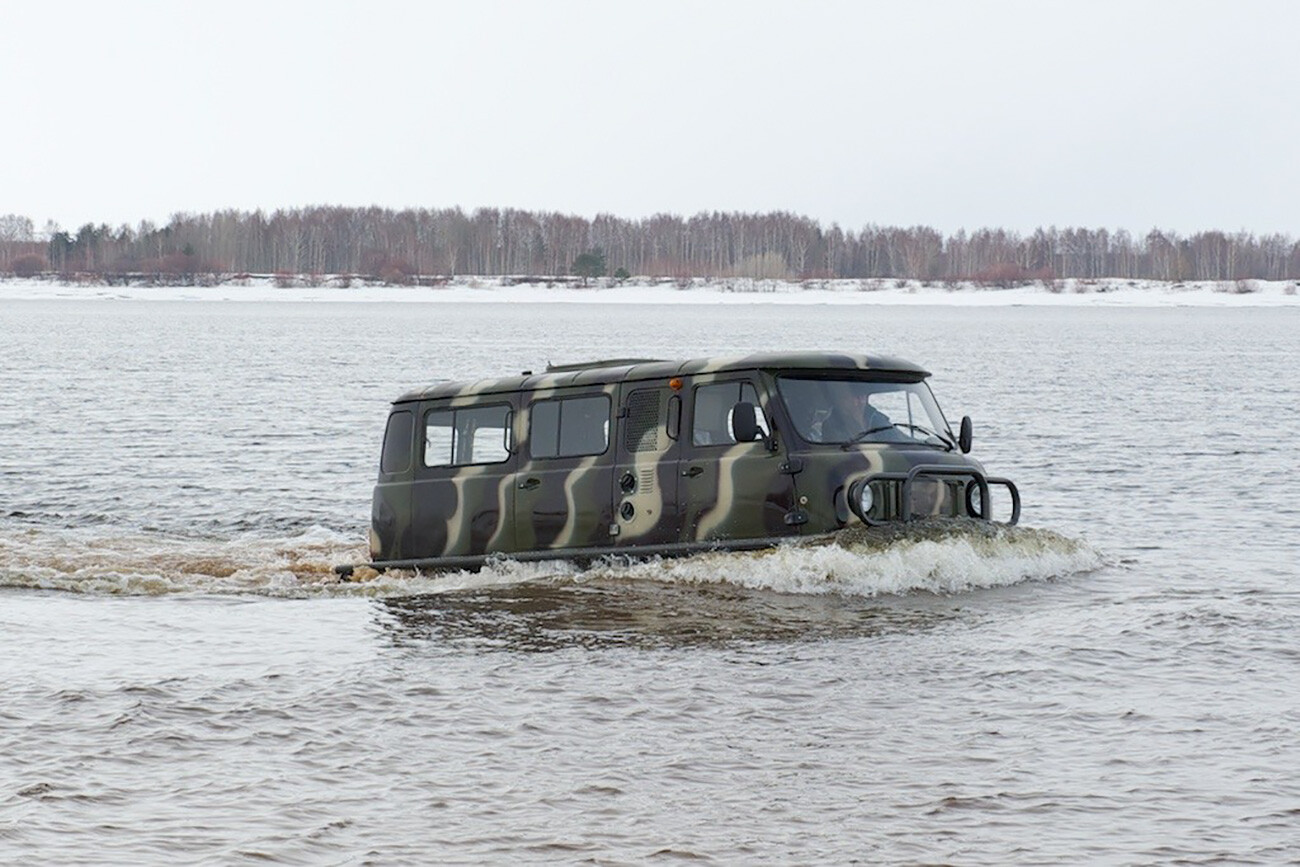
(1175, 114)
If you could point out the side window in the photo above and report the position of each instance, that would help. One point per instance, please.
(711, 423)
(396, 457)
(544, 429)
(644, 421)
(471, 435)
(438, 438)
(569, 427)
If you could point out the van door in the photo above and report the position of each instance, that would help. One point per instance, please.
(390, 505)
(462, 499)
(566, 471)
(731, 490)
(648, 450)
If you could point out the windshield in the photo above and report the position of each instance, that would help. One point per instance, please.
(857, 410)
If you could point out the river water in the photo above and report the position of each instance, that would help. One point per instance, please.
(185, 681)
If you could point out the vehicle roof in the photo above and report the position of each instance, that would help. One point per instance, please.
(631, 369)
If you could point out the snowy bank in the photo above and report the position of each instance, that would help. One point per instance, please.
(506, 290)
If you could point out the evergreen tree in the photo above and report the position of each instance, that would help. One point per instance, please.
(589, 264)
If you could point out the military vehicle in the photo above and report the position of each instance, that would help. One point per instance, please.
(643, 457)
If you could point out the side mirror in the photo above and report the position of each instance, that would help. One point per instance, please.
(744, 423)
(964, 438)
(745, 427)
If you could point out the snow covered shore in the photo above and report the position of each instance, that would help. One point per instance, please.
(1064, 293)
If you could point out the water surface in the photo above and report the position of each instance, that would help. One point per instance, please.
(186, 680)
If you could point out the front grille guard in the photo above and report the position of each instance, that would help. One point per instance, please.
(977, 482)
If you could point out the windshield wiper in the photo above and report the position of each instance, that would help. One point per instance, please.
(948, 445)
(860, 436)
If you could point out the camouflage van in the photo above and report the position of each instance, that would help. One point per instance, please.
(639, 457)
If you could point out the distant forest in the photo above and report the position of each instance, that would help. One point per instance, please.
(424, 245)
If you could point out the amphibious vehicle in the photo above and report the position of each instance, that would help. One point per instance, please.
(642, 457)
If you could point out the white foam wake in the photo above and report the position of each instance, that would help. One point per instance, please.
(934, 559)
(938, 558)
(140, 564)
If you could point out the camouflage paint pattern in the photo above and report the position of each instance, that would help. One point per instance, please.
(652, 485)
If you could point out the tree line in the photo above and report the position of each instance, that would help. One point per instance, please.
(412, 244)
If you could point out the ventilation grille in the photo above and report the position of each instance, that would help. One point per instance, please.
(643, 427)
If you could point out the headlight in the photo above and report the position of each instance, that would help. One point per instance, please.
(863, 498)
(866, 499)
(974, 500)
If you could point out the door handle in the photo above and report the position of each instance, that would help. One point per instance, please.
(692, 472)
(529, 483)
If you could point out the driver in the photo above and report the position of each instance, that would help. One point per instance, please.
(852, 417)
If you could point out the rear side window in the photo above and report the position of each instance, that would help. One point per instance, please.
(569, 427)
(396, 456)
(711, 425)
(471, 435)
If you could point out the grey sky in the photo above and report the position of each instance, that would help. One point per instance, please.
(1182, 115)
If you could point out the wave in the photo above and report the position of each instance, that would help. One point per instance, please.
(938, 557)
(935, 557)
